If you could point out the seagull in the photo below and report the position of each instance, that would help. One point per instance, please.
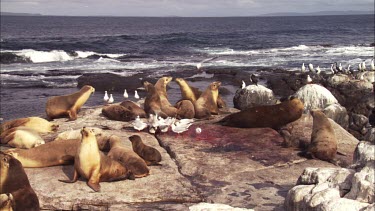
(153, 123)
(337, 68)
(199, 65)
(347, 70)
(303, 68)
(136, 94)
(309, 80)
(318, 70)
(111, 100)
(138, 124)
(332, 70)
(164, 124)
(364, 66)
(360, 67)
(311, 67)
(126, 94)
(106, 98)
(340, 67)
(181, 126)
(372, 65)
(254, 79)
(243, 85)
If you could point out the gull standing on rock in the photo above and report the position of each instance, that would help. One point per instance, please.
(126, 94)
(363, 66)
(332, 70)
(372, 65)
(254, 79)
(182, 125)
(111, 100)
(136, 96)
(303, 68)
(311, 67)
(138, 124)
(106, 98)
(340, 67)
(243, 85)
(360, 67)
(318, 70)
(309, 80)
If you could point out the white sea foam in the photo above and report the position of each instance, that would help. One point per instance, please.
(44, 56)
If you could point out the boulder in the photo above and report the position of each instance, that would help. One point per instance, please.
(363, 185)
(364, 152)
(358, 121)
(338, 79)
(338, 114)
(253, 95)
(370, 135)
(315, 97)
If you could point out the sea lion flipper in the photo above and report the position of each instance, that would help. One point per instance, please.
(72, 115)
(94, 186)
(75, 178)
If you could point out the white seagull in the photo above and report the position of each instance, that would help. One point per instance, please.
(340, 67)
(318, 70)
(199, 65)
(347, 71)
(180, 127)
(111, 100)
(333, 71)
(360, 67)
(126, 94)
(138, 124)
(243, 85)
(106, 98)
(372, 65)
(303, 68)
(364, 66)
(309, 80)
(136, 96)
(311, 67)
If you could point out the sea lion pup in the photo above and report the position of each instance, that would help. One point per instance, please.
(93, 165)
(185, 109)
(6, 201)
(272, 116)
(206, 104)
(161, 89)
(192, 93)
(323, 140)
(134, 108)
(13, 180)
(149, 154)
(68, 105)
(127, 157)
(22, 137)
(38, 124)
(152, 104)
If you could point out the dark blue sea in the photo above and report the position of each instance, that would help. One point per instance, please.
(52, 52)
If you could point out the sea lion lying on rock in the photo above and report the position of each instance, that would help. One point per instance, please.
(38, 124)
(272, 116)
(21, 137)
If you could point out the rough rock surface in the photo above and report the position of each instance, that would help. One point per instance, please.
(315, 96)
(338, 114)
(253, 95)
(244, 168)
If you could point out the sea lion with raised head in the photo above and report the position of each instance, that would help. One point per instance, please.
(94, 165)
(272, 116)
(38, 124)
(206, 104)
(149, 154)
(68, 105)
(152, 104)
(13, 180)
(161, 90)
(127, 157)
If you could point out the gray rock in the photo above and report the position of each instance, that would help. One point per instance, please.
(315, 96)
(363, 185)
(295, 198)
(370, 136)
(338, 114)
(313, 200)
(364, 152)
(343, 204)
(253, 95)
(358, 121)
(338, 79)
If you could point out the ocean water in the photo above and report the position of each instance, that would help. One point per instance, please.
(52, 52)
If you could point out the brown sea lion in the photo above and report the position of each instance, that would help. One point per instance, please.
(94, 165)
(272, 116)
(13, 180)
(68, 105)
(149, 154)
(323, 140)
(161, 89)
(38, 124)
(192, 93)
(21, 137)
(54, 153)
(128, 158)
(118, 113)
(206, 104)
(185, 109)
(134, 108)
(152, 104)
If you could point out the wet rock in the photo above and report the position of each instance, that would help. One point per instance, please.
(338, 114)
(253, 95)
(315, 97)
(111, 82)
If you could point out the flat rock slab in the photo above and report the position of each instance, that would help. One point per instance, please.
(246, 168)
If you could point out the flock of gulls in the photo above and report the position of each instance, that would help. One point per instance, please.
(109, 99)
(335, 69)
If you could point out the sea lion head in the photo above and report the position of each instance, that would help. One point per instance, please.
(135, 139)
(215, 85)
(166, 79)
(6, 162)
(88, 88)
(179, 80)
(147, 85)
(86, 133)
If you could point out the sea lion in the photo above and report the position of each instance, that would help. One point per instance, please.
(161, 89)
(118, 113)
(68, 105)
(54, 153)
(93, 165)
(149, 154)
(127, 157)
(21, 137)
(134, 108)
(185, 109)
(206, 104)
(323, 140)
(38, 124)
(152, 104)
(192, 93)
(272, 116)
(13, 180)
